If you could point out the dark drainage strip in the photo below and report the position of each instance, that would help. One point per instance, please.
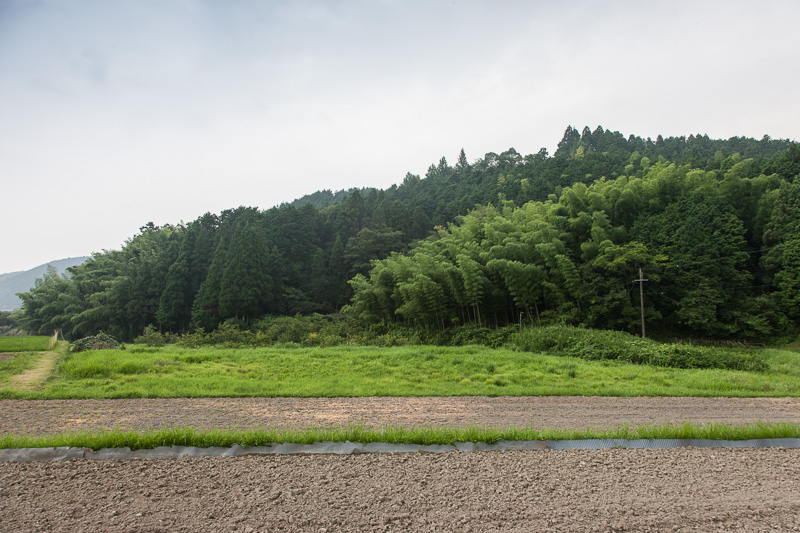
(22, 455)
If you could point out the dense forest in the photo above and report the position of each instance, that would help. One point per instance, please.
(713, 224)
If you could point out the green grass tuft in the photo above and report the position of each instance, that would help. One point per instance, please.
(393, 435)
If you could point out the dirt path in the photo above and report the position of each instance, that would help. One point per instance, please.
(35, 376)
(53, 416)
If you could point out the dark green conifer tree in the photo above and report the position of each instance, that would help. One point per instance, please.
(246, 287)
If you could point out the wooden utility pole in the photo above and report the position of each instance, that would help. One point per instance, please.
(641, 281)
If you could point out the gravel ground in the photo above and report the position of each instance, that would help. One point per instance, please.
(684, 489)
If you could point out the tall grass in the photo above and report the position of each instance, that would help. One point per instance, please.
(297, 371)
(17, 363)
(392, 435)
(594, 344)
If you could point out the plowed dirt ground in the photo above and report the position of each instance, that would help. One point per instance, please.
(37, 417)
(608, 490)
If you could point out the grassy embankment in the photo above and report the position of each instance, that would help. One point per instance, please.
(398, 371)
(393, 435)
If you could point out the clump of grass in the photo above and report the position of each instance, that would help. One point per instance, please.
(594, 344)
(424, 435)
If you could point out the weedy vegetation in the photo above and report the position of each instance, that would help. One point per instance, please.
(301, 371)
(595, 345)
(12, 364)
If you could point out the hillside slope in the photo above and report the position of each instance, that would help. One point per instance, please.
(14, 282)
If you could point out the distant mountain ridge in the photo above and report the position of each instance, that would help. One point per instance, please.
(13, 282)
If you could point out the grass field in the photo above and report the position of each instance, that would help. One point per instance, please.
(399, 371)
(24, 344)
(394, 435)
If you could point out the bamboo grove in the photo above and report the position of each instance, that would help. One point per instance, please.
(720, 252)
(714, 224)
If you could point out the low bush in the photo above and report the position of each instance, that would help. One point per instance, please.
(471, 334)
(311, 330)
(193, 340)
(230, 335)
(101, 341)
(151, 337)
(334, 330)
(598, 344)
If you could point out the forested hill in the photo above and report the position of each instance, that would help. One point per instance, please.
(326, 197)
(14, 282)
(602, 201)
(580, 157)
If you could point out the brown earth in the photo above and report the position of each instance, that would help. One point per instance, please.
(578, 490)
(684, 489)
(38, 417)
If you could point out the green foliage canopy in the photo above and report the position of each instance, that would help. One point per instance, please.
(558, 238)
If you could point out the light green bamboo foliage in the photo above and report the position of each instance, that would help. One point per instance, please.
(573, 257)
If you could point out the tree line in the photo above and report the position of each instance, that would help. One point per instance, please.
(720, 253)
(554, 237)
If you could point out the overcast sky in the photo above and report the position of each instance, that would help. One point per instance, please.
(114, 113)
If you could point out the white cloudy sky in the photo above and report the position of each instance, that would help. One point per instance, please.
(114, 113)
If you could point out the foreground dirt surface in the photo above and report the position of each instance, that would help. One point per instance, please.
(577, 490)
(34, 417)
(610, 490)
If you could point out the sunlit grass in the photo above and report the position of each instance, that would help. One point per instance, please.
(24, 344)
(392, 435)
(399, 371)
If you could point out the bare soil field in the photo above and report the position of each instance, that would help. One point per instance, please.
(684, 489)
(577, 490)
(39, 417)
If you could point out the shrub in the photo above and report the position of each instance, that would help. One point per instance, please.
(323, 340)
(151, 337)
(311, 330)
(471, 334)
(596, 344)
(230, 336)
(386, 340)
(193, 340)
(101, 341)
